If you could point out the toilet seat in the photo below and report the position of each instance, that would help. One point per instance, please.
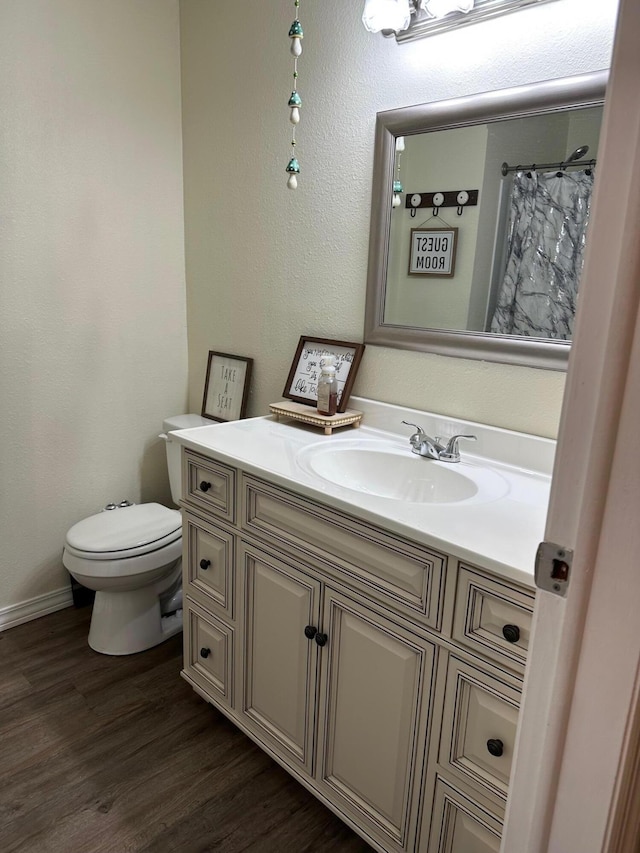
(121, 534)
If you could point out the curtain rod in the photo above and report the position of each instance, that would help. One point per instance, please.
(563, 164)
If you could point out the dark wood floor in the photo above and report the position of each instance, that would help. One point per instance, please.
(119, 755)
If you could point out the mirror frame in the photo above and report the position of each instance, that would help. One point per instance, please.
(551, 96)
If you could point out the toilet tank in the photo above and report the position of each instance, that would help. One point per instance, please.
(173, 448)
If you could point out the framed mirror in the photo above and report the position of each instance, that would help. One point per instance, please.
(479, 219)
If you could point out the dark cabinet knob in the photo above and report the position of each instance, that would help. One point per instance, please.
(321, 639)
(205, 653)
(204, 486)
(511, 633)
(204, 564)
(495, 747)
(310, 632)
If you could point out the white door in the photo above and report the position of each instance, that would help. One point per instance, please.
(579, 732)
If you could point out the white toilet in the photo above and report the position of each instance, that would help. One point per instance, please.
(131, 556)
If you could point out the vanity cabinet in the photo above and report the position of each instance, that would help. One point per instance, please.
(381, 673)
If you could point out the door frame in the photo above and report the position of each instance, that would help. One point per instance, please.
(579, 738)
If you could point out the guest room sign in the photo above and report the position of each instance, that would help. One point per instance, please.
(433, 252)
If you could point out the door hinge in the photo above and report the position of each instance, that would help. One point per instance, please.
(553, 568)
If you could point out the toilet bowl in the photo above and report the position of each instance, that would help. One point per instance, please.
(131, 556)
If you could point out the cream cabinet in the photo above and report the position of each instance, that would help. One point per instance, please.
(380, 672)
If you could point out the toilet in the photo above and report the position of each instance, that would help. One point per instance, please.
(130, 554)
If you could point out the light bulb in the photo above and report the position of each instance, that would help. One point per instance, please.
(397, 201)
(294, 118)
(296, 46)
(292, 183)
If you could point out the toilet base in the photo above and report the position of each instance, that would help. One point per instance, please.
(124, 623)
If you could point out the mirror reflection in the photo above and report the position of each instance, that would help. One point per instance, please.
(489, 224)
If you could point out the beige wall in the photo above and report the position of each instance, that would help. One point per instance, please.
(265, 264)
(92, 294)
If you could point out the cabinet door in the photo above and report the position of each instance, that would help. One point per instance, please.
(280, 662)
(375, 697)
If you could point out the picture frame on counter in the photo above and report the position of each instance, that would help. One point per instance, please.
(302, 381)
(226, 386)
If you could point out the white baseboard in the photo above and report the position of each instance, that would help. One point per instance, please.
(25, 611)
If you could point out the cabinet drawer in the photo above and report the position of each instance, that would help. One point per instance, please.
(460, 825)
(208, 653)
(387, 567)
(209, 485)
(208, 565)
(493, 619)
(479, 729)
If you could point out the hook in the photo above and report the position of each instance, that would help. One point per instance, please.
(462, 198)
(435, 210)
(413, 212)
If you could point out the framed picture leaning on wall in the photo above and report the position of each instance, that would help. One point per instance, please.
(302, 382)
(226, 387)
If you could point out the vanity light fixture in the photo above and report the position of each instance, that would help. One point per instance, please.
(413, 19)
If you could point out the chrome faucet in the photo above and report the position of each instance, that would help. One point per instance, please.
(433, 448)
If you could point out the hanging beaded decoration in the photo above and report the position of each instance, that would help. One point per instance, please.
(397, 184)
(295, 101)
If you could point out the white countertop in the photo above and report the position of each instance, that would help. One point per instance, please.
(500, 534)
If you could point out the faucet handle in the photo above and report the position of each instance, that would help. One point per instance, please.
(416, 439)
(451, 453)
(418, 429)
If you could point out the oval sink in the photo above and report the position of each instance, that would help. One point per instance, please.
(379, 469)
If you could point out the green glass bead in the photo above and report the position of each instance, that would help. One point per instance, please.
(293, 166)
(296, 30)
(295, 100)
(397, 187)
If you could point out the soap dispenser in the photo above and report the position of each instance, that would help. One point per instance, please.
(327, 386)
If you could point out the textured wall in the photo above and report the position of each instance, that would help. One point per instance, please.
(265, 264)
(92, 294)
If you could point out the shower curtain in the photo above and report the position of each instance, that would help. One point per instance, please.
(548, 219)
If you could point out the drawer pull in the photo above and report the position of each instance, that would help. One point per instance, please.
(321, 639)
(495, 747)
(204, 564)
(205, 652)
(204, 486)
(511, 633)
(310, 632)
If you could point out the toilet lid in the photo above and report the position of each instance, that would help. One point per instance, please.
(125, 528)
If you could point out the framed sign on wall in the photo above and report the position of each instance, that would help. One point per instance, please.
(433, 252)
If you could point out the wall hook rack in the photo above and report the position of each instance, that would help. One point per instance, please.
(435, 200)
